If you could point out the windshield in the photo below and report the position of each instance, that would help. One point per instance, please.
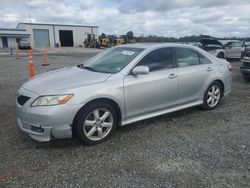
(113, 60)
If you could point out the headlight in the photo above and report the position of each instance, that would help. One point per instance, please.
(52, 100)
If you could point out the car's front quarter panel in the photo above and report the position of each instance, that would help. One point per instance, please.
(112, 89)
(56, 121)
(42, 122)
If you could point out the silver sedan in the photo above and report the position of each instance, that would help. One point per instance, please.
(123, 85)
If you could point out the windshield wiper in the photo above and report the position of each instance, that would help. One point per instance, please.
(89, 68)
(81, 66)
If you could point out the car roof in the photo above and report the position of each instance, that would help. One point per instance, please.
(155, 45)
(227, 41)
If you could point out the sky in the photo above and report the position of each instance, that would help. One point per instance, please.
(171, 18)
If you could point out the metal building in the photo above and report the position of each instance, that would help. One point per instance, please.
(56, 35)
(10, 37)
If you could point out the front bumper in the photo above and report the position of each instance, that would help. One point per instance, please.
(245, 71)
(35, 131)
(245, 68)
(44, 122)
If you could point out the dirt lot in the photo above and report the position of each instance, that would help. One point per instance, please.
(189, 148)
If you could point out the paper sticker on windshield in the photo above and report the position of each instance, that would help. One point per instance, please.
(126, 52)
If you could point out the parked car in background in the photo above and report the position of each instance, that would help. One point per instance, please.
(245, 62)
(223, 48)
(197, 44)
(24, 44)
(122, 85)
(213, 46)
(233, 48)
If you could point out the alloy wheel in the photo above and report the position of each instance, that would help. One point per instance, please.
(213, 96)
(98, 124)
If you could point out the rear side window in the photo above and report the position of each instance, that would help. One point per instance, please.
(158, 59)
(237, 44)
(204, 60)
(186, 57)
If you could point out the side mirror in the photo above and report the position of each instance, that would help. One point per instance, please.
(140, 70)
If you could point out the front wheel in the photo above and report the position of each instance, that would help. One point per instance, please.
(95, 123)
(212, 96)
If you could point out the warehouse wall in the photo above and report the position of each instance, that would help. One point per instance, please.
(79, 32)
(30, 28)
(12, 42)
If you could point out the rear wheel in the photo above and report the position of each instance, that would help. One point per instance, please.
(212, 96)
(95, 123)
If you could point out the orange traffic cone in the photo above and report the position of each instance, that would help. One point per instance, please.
(45, 63)
(31, 64)
(17, 53)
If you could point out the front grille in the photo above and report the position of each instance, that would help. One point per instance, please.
(21, 99)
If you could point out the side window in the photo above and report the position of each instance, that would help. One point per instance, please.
(186, 57)
(237, 44)
(204, 60)
(158, 59)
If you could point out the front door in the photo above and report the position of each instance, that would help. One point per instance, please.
(5, 42)
(154, 91)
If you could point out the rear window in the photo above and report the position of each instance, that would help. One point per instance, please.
(187, 57)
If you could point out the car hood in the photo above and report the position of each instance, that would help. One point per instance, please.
(214, 52)
(61, 80)
(206, 42)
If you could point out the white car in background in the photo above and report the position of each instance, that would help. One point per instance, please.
(223, 48)
(24, 44)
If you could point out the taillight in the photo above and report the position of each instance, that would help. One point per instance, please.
(230, 67)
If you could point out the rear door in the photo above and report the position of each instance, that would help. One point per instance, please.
(234, 49)
(195, 72)
(154, 91)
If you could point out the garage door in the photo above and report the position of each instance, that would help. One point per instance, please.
(41, 37)
(66, 37)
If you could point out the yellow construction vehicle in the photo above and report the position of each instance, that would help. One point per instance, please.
(119, 41)
(91, 42)
(105, 42)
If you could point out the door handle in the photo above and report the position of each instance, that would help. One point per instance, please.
(209, 69)
(171, 76)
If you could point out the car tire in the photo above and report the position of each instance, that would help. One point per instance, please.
(212, 96)
(221, 55)
(95, 123)
(246, 78)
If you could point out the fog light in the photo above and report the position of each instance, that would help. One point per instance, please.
(37, 129)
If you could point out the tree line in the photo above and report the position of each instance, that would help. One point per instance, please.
(154, 38)
(192, 38)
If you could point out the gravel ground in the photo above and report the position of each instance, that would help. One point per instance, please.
(189, 148)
